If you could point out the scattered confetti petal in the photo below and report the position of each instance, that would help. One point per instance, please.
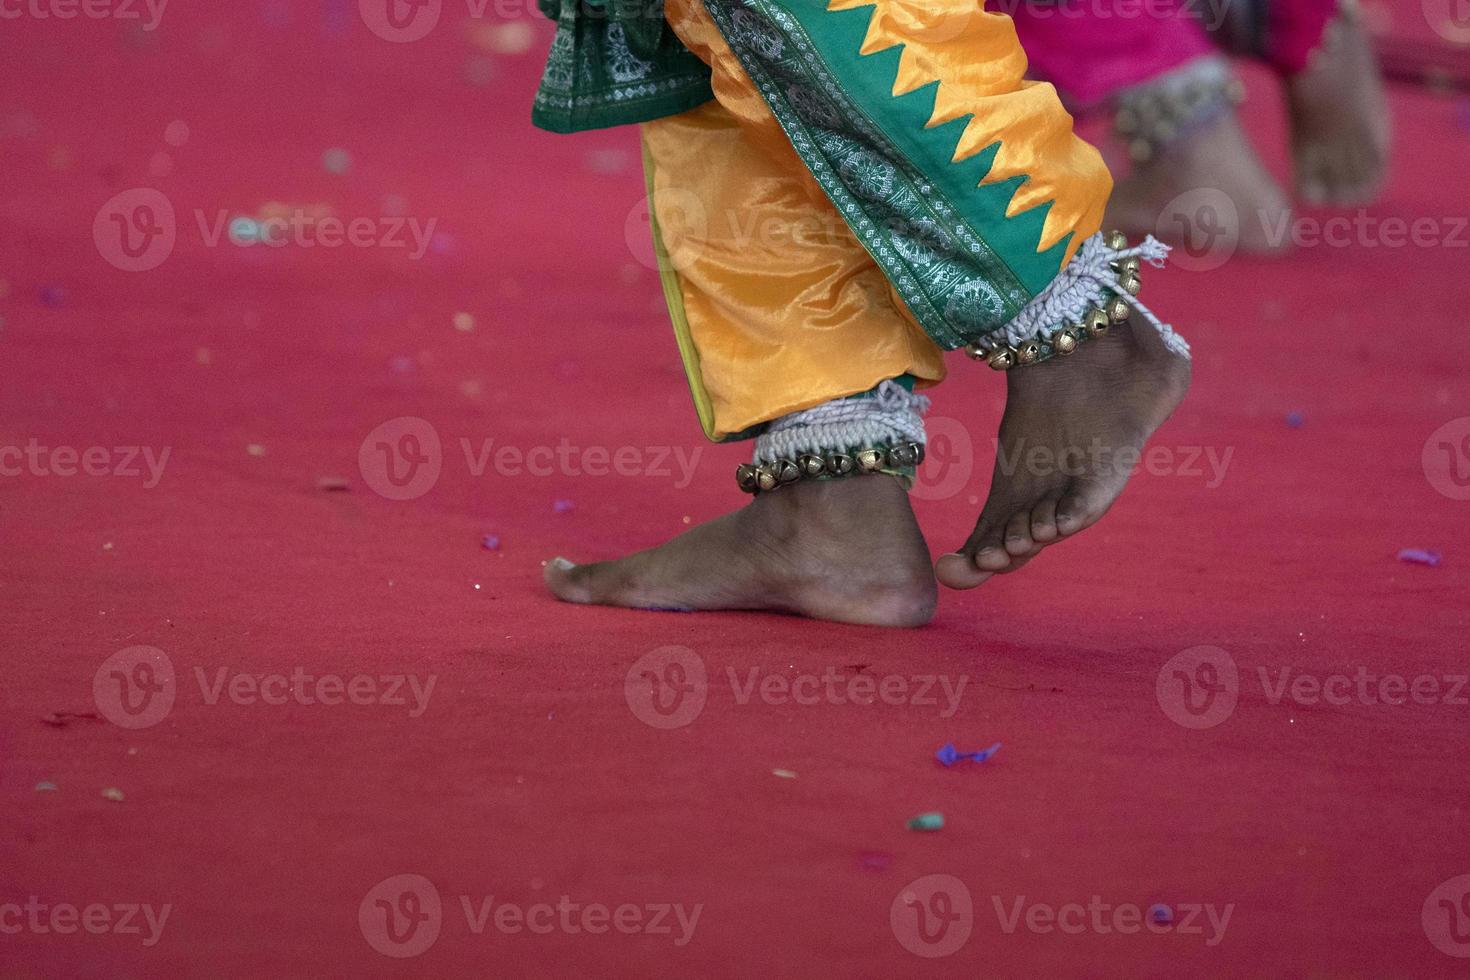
(562, 506)
(255, 449)
(53, 296)
(464, 322)
(1160, 913)
(927, 821)
(60, 719)
(783, 773)
(333, 484)
(875, 860)
(1295, 419)
(1419, 556)
(336, 161)
(948, 755)
(490, 542)
(45, 787)
(113, 793)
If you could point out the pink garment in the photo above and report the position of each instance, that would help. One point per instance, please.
(1090, 52)
(1090, 49)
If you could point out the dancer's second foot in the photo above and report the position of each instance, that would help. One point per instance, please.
(1339, 120)
(1070, 427)
(847, 550)
(1178, 195)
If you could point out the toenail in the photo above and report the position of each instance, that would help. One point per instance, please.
(563, 565)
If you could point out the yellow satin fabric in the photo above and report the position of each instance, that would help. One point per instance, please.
(777, 304)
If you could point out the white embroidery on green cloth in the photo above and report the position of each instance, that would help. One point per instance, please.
(950, 279)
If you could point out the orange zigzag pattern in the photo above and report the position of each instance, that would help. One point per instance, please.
(980, 66)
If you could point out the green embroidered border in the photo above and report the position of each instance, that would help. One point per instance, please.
(896, 185)
(599, 75)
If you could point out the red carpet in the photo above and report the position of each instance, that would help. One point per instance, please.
(1324, 825)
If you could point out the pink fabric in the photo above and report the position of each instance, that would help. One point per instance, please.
(1090, 54)
(1296, 30)
(1091, 51)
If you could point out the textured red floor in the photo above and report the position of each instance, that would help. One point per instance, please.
(1323, 828)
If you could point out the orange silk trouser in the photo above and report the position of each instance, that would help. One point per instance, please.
(776, 303)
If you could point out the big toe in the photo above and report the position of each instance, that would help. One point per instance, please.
(959, 571)
(571, 582)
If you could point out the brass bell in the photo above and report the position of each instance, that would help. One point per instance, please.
(919, 453)
(1117, 241)
(766, 478)
(840, 464)
(1127, 267)
(811, 465)
(904, 454)
(1096, 323)
(870, 460)
(1132, 285)
(1118, 309)
(748, 477)
(1064, 342)
(1028, 352)
(1003, 359)
(786, 472)
(976, 353)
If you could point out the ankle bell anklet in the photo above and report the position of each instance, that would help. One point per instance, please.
(1176, 105)
(878, 432)
(1098, 289)
(894, 460)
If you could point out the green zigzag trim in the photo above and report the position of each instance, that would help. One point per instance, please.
(963, 269)
(905, 118)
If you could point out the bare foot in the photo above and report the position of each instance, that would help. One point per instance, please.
(1070, 426)
(847, 550)
(1202, 189)
(1340, 126)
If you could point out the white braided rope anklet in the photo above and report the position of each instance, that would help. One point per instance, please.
(1090, 281)
(888, 416)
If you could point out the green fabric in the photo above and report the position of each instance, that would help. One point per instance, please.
(615, 63)
(962, 267)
